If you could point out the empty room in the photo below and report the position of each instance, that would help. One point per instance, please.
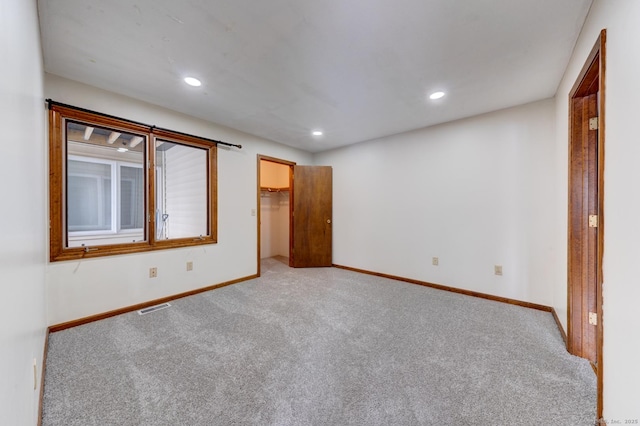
(319, 213)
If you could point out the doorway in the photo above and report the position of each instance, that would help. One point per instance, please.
(274, 206)
(586, 212)
(302, 197)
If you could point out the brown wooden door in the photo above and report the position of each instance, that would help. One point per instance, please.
(311, 227)
(586, 198)
(583, 231)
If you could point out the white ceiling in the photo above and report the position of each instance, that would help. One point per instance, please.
(357, 69)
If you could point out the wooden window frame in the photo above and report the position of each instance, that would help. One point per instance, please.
(58, 250)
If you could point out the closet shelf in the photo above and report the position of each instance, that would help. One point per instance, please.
(271, 189)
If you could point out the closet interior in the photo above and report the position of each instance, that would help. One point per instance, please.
(274, 210)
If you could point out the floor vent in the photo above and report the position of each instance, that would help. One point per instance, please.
(153, 308)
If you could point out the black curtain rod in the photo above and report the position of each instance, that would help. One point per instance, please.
(199, 137)
(52, 102)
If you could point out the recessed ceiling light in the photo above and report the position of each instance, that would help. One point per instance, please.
(317, 133)
(191, 81)
(436, 95)
(122, 150)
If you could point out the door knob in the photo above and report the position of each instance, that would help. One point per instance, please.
(328, 220)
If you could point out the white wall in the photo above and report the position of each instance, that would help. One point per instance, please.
(474, 193)
(621, 265)
(82, 288)
(23, 213)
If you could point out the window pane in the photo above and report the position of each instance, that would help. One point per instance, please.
(105, 186)
(182, 191)
(89, 196)
(131, 197)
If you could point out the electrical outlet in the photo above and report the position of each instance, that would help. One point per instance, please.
(434, 261)
(153, 272)
(189, 266)
(497, 269)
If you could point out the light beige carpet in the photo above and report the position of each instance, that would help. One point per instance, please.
(319, 347)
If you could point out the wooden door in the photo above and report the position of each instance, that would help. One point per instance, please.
(586, 213)
(311, 217)
(583, 228)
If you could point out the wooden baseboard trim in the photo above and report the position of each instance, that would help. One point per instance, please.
(98, 317)
(453, 289)
(43, 370)
(468, 293)
(560, 328)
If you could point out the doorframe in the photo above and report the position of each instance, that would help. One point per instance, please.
(258, 201)
(594, 67)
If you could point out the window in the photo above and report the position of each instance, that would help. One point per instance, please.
(181, 198)
(92, 184)
(107, 177)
